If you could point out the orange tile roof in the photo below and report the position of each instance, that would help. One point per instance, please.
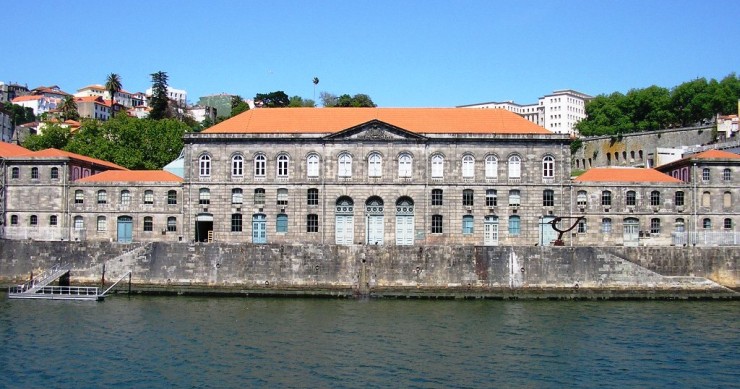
(93, 86)
(132, 176)
(715, 154)
(12, 150)
(89, 99)
(418, 120)
(27, 98)
(624, 174)
(61, 153)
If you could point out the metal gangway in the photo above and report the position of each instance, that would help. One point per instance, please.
(39, 288)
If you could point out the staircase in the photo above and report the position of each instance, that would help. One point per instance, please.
(44, 279)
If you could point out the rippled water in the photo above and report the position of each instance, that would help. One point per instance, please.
(183, 342)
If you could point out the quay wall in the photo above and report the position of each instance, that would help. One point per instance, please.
(399, 271)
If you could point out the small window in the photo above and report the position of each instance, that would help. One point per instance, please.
(705, 174)
(515, 198)
(15, 173)
(404, 165)
(312, 223)
(14, 220)
(149, 197)
(679, 198)
(654, 226)
(582, 198)
(282, 196)
(34, 173)
(582, 226)
(680, 225)
(437, 198)
(515, 226)
(468, 166)
(236, 222)
(237, 166)
(102, 197)
(467, 224)
(727, 224)
(491, 198)
(79, 223)
(260, 168)
(34, 221)
(707, 224)
(706, 199)
(345, 165)
(467, 198)
(125, 197)
(436, 224)
(548, 198)
(282, 166)
(606, 225)
(438, 163)
(655, 198)
(727, 175)
(204, 165)
(312, 165)
(259, 196)
(204, 196)
(172, 197)
(312, 196)
(631, 198)
(606, 198)
(375, 165)
(237, 196)
(148, 224)
(53, 220)
(171, 224)
(548, 167)
(102, 224)
(281, 223)
(79, 197)
(727, 200)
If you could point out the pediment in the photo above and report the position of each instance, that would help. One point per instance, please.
(375, 130)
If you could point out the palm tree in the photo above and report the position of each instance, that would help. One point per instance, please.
(68, 108)
(113, 85)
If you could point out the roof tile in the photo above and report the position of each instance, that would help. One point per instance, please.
(132, 176)
(625, 174)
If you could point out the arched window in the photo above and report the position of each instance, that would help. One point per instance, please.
(726, 175)
(491, 166)
(148, 197)
(125, 197)
(515, 198)
(491, 198)
(606, 198)
(237, 166)
(102, 224)
(631, 198)
(654, 226)
(548, 167)
(15, 172)
(312, 165)
(204, 196)
(53, 220)
(727, 200)
(727, 224)
(582, 198)
(345, 165)
(237, 196)
(404, 165)
(680, 225)
(515, 167)
(260, 162)
(438, 163)
(79, 197)
(204, 165)
(468, 166)
(282, 165)
(172, 197)
(707, 224)
(375, 165)
(259, 196)
(655, 198)
(102, 197)
(34, 173)
(467, 199)
(79, 223)
(34, 220)
(706, 199)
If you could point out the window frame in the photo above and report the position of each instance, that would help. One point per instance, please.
(630, 198)
(312, 223)
(283, 166)
(374, 165)
(260, 166)
(468, 166)
(437, 197)
(468, 197)
(548, 167)
(468, 223)
(405, 163)
(344, 165)
(312, 165)
(102, 197)
(606, 198)
(171, 224)
(237, 222)
(204, 165)
(438, 166)
(437, 224)
(281, 223)
(312, 197)
(548, 198)
(237, 165)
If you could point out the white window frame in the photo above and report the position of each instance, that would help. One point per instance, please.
(312, 165)
(345, 165)
(404, 165)
(237, 166)
(491, 166)
(548, 167)
(438, 165)
(204, 165)
(283, 164)
(515, 167)
(374, 165)
(260, 165)
(468, 166)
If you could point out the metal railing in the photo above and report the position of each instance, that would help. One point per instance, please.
(706, 238)
(60, 290)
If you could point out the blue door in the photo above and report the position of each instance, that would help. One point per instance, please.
(259, 228)
(125, 228)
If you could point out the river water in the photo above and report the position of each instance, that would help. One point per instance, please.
(194, 342)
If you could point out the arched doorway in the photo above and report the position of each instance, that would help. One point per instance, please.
(374, 213)
(344, 221)
(404, 221)
(259, 228)
(490, 230)
(125, 229)
(631, 231)
(203, 226)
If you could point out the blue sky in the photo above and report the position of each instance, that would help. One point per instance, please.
(401, 53)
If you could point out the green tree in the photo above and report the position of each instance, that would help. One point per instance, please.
(272, 100)
(159, 101)
(345, 100)
(113, 85)
(53, 136)
(68, 108)
(298, 101)
(19, 114)
(238, 105)
(328, 99)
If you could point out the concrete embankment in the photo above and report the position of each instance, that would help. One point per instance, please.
(503, 272)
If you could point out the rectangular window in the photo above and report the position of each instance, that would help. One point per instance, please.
(171, 224)
(548, 198)
(172, 197)
(514, 198)
(102, 197)
(282, 196)
(582, 198)
(34, 173)
(468, 197)
(79, 197)
(312, 223)
(149, 197)
(236, 222)
(148, 224)
(606, 198)
(312, 197)
(259, 196)
(631, 199)
(606, 225)
(515, 226)
(705, 174)
(582, 226)
(679, 199)
(467, 225)
(727, 224)
(491, 199)
(437, 197)
(281, 223)
(436, 224)
(654, 226)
